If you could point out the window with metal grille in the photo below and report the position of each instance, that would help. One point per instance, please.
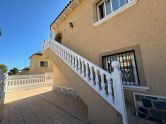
(43, 64)
(128, 66)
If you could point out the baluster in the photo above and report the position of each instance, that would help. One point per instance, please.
(103, 84)
(66, 55)
(68, 58)
(76, 67)
(96, 78)
(110, 93)
(92, 76)
(73, 63)
(83, 69)
(79, 66)
(87, 71)
(57, 49)
(62, 53)
(71, 59)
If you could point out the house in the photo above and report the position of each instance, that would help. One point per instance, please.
(131, 32)
(39, 65)
(24, 71)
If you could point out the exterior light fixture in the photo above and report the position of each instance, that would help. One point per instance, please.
(71, 24)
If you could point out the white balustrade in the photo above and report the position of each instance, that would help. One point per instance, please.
(107, 85)
(3, 78)
(17, 82)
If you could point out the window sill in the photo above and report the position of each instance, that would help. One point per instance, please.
(106, 18)
(136, 88)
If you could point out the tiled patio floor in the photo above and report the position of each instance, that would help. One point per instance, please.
(42, 106)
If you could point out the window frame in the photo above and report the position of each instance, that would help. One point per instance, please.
(44, 62)
(98, 11)
(135, 70)
(99, 21)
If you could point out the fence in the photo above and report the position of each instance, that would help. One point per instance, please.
(17, 82)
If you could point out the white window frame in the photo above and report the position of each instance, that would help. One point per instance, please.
(113, 13)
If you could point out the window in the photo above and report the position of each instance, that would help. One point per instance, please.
(106, 7)
(43, 64)
(128, 66)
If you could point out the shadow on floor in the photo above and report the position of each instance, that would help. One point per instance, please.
(43, 106)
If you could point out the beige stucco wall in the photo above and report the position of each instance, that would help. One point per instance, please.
(35, 65)
(99, 111)
(142, 24)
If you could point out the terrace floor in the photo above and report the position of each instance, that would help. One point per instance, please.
(42, 106)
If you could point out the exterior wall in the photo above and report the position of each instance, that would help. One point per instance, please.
(35, 65)
(66, 77)
(141, 25)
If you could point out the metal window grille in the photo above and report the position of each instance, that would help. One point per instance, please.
(128, 66)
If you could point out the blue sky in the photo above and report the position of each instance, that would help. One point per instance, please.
(24, 25)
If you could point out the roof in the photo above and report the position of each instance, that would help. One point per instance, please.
(61, 13)
(68, 8)
(37, 53)
(27, 68)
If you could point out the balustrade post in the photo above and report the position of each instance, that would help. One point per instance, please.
(76, 63)
(83, 69)
(103, 84)
(97, 79)
(87, 72)
(92, 76)
(68, 60)
(118, 90)
(5, 77)
(73, 62)
(110, 92)
(71, 59)
(64, 54)
(79, 66)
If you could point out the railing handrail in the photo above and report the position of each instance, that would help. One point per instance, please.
(94, 76)
(14, 77)
(99, 68)
(27, 81)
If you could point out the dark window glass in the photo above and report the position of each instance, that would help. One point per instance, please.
(43, 64)
(127, 65)
(101, 11)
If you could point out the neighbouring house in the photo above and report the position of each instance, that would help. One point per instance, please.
(24, 71)
(39, 65)
(131, 32)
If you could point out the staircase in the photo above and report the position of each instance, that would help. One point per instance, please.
(108, 86)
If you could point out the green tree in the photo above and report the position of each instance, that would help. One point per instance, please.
(13, 71)
(3, 67)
